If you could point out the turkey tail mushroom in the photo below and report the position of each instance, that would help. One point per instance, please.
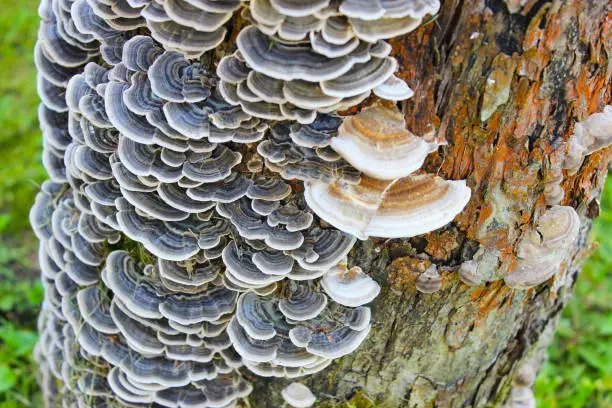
(176, 247)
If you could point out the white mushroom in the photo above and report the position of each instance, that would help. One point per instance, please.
(349, 287)
(405, 207)
(298, 395)
(589, 136)
(545, 248)
(377, 142)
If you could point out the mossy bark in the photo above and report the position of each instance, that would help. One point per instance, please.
(504, 89)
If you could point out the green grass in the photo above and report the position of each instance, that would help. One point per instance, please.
(20, 142)
(579, 373)
(20, 174)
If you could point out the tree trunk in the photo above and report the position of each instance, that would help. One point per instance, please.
(502, 82)
(504, 90)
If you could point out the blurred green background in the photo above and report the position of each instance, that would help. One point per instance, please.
(578, 374)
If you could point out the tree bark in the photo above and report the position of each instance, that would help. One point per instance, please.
(504, 89)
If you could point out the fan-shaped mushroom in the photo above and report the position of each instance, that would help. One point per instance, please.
(298, 395)
(429, 281)
(589, 136)
(545, 248)
(349, 287)
(377, 142)
(405, 207)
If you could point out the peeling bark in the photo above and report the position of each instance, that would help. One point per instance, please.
(505, 91)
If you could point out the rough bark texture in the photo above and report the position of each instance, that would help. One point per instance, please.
(504, 90)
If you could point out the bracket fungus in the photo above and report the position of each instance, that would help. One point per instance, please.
(545, 247)
(176, 248)
(298, 396)
(405, 207)
(553, 192)
(288, 79)
(468, 273)
(349, 287)
(589, 136)
(429, 281)
(376, 142)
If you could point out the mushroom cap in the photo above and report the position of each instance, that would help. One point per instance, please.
(191, 42)
(323, 249)
(95, 309)
(272, 370)
(349, 287)
(545, 248)
(394, 89)
(590, 135)
(559, 227)
(188, 277)
(300, 335)
(468, 273)
(372, 31)
(284, 155)
(258, 316)
(337, 343)
(298, 395)
(429, 281)
(302, 303)
(405, 207)
(376, 142)
(596, 130)
(288, 62)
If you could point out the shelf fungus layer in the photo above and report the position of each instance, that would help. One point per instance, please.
(265, 337)
(280, 80)
(178, 250)
(338, 24)
(149, 343)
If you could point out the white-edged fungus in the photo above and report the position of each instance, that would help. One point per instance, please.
(349, 287)
(376, 142)
(288, 80)
(145, 145)
(553, 192)
(468, 273)
(405, 207)
(592, 134)
(298, 396)
(545, 247)
(429, 281)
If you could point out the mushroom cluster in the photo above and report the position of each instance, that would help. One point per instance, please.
(177, 247)
(301, 59)
(113, 333)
